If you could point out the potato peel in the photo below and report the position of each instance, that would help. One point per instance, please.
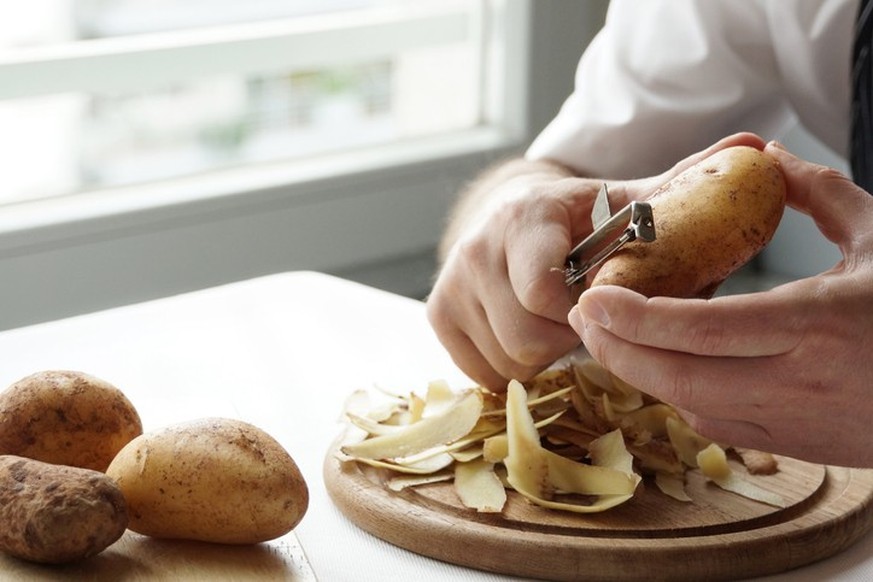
(713, 464)
(673, 486)
(568, 476)
(538, 473)
(686, 441)
(574, 439)
(526, 466)
(401, 482)
(410, 469)
(450, 425)
(479, 487)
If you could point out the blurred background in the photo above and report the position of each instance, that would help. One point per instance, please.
(84, 140)
(152, 147)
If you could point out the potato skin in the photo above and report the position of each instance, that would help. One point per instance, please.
(709, 221)
(67, 418)
(213, 480)
(56, 514)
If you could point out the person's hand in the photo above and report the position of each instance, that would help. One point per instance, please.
(787, 371)
(499, 304)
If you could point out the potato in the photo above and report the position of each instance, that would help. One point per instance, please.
(214, 480)
(66, 418)
(56, 514)
(709, 220)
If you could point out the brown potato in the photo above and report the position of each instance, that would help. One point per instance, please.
(56, 514)
(709, 221)
(213, 480)
(66, 418)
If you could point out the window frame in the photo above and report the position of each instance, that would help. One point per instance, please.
(336, 213)
(148, 60)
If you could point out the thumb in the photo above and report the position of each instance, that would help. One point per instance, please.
(838, 206)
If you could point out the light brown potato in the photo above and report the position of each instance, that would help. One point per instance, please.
(709, 221)
(66, 418)
(56, 514)
(213, 480)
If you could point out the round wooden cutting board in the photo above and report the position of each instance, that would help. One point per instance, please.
(718, 536)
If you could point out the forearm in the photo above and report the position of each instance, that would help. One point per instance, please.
(487, 187)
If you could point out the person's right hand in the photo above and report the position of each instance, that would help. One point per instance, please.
(500, 304)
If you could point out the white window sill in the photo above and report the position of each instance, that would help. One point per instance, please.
(334, 214)
(296, 182)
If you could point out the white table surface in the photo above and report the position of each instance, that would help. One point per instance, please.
(283, 352)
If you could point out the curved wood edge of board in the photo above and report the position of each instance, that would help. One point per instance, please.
(718, 536)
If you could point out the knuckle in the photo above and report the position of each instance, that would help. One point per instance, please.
(473, 251)
(528, 353)
(828, 173)
(679, 388)
(437, 312)
(710, 335)
(710, 338)
(522, 373)
(540, 294)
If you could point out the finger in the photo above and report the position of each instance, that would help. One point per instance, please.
(735, 388)
(760, 324)
(537, 241)
(627, 191)
(536, 248)
(734, 140)
(467, 357)
(737, 139)
(737, 433)
(515, 341)
(782, 439)
(527, 342)
(839, 207)
(454, 321)
(494, 342)
(457, 317)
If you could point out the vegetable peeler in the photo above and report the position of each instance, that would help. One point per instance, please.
(611, 232)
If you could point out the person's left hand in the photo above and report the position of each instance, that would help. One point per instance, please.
(790, 370)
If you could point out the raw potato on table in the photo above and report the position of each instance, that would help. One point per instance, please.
(66, 418)
(710, 220)
(214, 480)
(56, 514)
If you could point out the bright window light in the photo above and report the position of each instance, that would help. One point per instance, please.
(100, 94)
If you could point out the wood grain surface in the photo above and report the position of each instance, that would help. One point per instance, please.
(720, 536)
(138, 558)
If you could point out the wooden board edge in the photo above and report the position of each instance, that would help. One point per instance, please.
(757, 552)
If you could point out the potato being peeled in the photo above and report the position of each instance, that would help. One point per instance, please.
(67, 418)
(213, 480)
(709, 220)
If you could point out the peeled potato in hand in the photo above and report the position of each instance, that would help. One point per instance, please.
(709, 221)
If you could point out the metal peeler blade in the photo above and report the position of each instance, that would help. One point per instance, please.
(611, 232)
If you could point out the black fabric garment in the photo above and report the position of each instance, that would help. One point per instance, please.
(861, 147)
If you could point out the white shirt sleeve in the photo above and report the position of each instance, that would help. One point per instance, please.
(666, 78)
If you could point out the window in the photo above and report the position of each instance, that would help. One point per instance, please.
(102, 94)
(150, 147)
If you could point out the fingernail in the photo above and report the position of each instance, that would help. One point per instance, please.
(777, 145)
(592, 311)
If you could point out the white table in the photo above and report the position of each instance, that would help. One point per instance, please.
(283, 352)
